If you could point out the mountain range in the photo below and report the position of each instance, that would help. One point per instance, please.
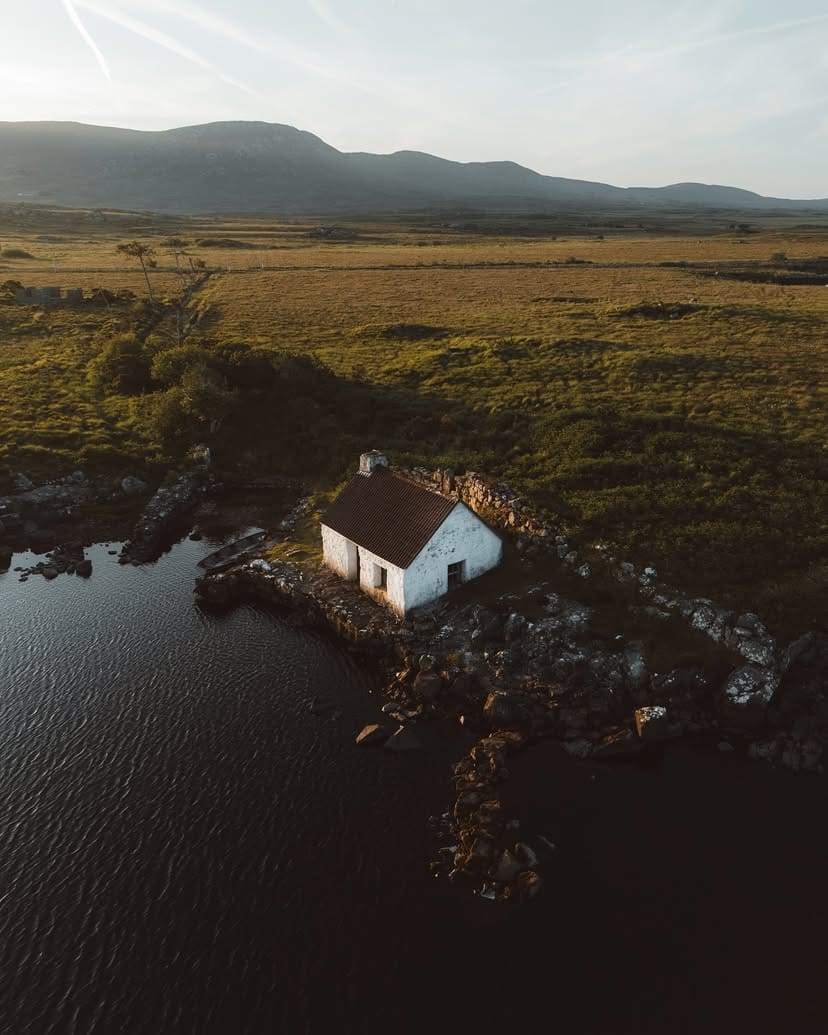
(260, 167)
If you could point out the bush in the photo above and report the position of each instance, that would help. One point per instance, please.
(123, 367)
(9, 287)
(169, 366)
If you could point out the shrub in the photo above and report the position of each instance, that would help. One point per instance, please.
(122, 367)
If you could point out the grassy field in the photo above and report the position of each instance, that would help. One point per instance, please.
(633, 385)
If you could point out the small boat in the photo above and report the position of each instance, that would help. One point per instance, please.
(232, 553)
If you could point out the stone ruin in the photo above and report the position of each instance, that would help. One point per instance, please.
(47, 296)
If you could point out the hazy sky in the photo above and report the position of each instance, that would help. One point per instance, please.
(631, 92)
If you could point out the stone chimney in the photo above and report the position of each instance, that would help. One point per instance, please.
(368, 461)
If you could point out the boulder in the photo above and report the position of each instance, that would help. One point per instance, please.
(746, 694)
(651, 722)
(426, 663)
(750, 624)
(491, 627)
(507, 869)
(403, 739)
(634, 665)
(529, 884)
(482, 849)
(622, 744)
(507, 603)
(133, 486)
(704, 616)
(427, 686)
(505, 709)
(509, 741)
(372, 735)
(797, 649)
(515, 627)
(84, 568)
(527, 856)
(23, 484)
(759, 650)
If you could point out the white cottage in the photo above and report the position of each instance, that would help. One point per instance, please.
(403, 543)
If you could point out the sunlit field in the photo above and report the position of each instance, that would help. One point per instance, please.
(675, 410)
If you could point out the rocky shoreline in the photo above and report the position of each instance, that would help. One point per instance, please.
(63, 515)
(528, 665)
(54, 516)
(513, 667)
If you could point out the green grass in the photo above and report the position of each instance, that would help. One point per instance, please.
(675, 414)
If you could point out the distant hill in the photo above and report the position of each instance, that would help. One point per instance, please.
(260, 167)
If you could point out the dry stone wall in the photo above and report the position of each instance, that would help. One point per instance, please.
(497, 503)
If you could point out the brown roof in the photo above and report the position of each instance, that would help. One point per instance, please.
(388, 515)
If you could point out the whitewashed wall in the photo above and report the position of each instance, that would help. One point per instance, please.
(338, 553)
(461, 537)
(393, 596)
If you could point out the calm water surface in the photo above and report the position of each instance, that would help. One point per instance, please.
(186, 848)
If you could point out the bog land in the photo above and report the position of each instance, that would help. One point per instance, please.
(659, 387)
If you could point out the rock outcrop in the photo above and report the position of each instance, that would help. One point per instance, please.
(164, 515)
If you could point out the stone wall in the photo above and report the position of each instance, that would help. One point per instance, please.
(47, 296)
(493, 500)
(498, 504)
(283, 585)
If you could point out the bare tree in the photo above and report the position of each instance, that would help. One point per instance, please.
(177, 245)
(144, 254)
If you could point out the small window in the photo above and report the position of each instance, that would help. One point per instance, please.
(455, 574)
(380, 577)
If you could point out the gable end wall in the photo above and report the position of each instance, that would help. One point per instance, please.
(461, 537)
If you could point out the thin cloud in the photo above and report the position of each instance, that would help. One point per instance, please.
(161, 39)
(322, 9)
(74, 18)
(728, 37)
(264, 43)
(238, 84)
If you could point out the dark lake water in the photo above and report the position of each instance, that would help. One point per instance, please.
(186, 848)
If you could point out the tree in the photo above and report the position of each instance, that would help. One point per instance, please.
(144, 254)
(207, 397)
(170, 365)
